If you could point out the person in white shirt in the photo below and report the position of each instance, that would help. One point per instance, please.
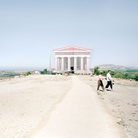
(109, 80)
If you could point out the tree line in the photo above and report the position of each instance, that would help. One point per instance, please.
(119, 74)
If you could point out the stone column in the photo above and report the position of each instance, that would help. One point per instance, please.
(82, 64)
(88, 64)
(62, 64)
(75, 64)
(56, 63)
(68, 63)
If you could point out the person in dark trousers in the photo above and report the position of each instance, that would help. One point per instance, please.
(100, 83)
(109, 80)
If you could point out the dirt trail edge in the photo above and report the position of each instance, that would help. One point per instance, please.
(80, 115)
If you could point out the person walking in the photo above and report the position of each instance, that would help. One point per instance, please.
(100, 83)
(109, 80)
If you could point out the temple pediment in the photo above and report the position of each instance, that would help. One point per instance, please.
(72, 48)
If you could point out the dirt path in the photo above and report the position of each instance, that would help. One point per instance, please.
(79, 115)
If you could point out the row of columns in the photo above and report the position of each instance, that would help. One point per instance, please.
(69, 63)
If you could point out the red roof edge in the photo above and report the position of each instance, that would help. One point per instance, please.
(71, 46)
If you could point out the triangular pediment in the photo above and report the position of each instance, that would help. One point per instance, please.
(72, 48)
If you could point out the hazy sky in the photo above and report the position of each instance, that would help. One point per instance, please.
(30, 29)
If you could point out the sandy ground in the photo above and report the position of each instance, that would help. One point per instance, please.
(80, 114)
(122, 102)
(67, 107)
(25, 101)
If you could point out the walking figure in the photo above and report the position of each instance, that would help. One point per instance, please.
(100, 83)
(109, 80)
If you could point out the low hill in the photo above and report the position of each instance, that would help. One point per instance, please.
(116, 67)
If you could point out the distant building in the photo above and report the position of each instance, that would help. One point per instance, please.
(72, 58)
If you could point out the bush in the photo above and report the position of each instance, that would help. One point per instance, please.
(112, 73)
(28, 73)
(136, 76)
(118, 75)
(105, 72)
(96, 71)
(42, 72)
(127, 76)
(45, 71)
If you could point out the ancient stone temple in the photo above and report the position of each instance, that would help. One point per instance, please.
(73, 58)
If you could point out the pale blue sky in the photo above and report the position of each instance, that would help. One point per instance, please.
(30, 29)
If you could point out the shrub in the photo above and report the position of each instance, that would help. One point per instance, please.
(118, 75)
(127, 76)
(136, 76)
(105, 72)
(28, 73)
(96, 71)
(42, 72)
(112, 73)
(45, 71)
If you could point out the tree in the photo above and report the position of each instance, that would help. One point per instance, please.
(136, 76)
(45, 70)
(112, 73)
(127, 76)
(96, 71)
(118, 75)
(105, 72)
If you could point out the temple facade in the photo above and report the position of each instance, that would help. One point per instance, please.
(72, 58)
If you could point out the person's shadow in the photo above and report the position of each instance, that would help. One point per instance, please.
(108, 90)
(101, 90)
